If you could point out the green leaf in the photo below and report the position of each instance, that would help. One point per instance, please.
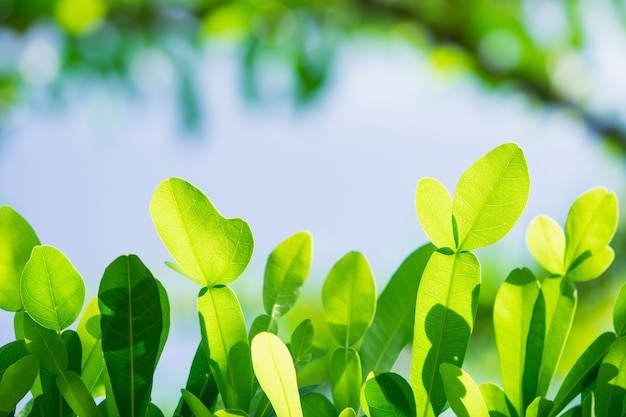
(201, 383)
(301, 343)
(583, 373)
(262, 323)
(47, 345)
(546, 242)
(389, 395)
(53, 292)
(88, 330)
(286, 271)
(196, 406)
(512, 316)
(131, 323)
(210, 248)
(349, 298)
(490, 196)
(592, 266)
(345, 378)
(77, 395)
(317, 405)
(539, 407)
(16, 382)
(619, 312)
(392, 327)
(589, 405)
(591, 223)
(154, 411)
(611, 382)
(17, 240)
(462, 392)
(273, 367)
(11, 353)
(560, 301)
(447, 300)
(434, 211)
(165, 314)
(347, 412)
(496, 401)
(225, 339)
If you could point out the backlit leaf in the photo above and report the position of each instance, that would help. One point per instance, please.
(592, 266)
(77, 395)
(447, 300)
(91, 340)
(53, 291)
(210, 248)
(16, 381)
(495, 400)
(196, 406)
(619, 312)
(131, 324)
(512, 317)
(546, 242)
(286, 271)
(490, 196)
(17, 240)
(349, 298)
(591, 223)
(434, 211)
(345, 378)
(389, 395)
(347, 412)
(226, 342)
(274, 369)
(47, 345)
(392, 327)
(611, 382)
(539, 407)
(462, 392)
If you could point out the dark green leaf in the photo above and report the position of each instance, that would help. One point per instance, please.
(496, 401)
(462, 392)
(611, 381)
(47, 345)
(165, 313)
(619, 312)
(77, 395)
(262, 323)
(301, 343)
(197, 407)
(389, 395)
(317, 405)
(92, 370)
(74, 350)
(201, 383)
(345, 378)
(11, 353)
(16, 381)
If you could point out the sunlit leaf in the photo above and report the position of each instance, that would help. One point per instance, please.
(274, 369)
(345, 378)
(389, 395)
(512, 316)
(591, 223)
(539, 407)
(77, 395)
(434, 211)
(16, 381)
(286, 271)
(349, 298)
(210, 248)
(495, 400)
(546, 242)
(347, 412)
(131, 324)
(226, 342)
(490, 196)
(593, 266)
(392, 327)
(200, 382)
(317, 405)
(47, 345)
(610, 387)
(447, 301)
(583, 372)
(462, 392)
(91, 340)
(53, 291)
(17, 240)
(619, 312)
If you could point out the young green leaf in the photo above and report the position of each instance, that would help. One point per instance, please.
(611, 381)
(17, 240)
(201, 383)
(512, 316)
(349, 298)
(447, 300)
(583, 373)
(53, 291)
(539, 407)
(389, 395)
(560, 304)
(273, 367)
(286, 271)
(92, 369)
(47, 345)
(210, 248)
(591, 265)
(347, 412)
(317, 405)
(301, 343)
(462, 392)
(392, 327)
(224, 335)
(591, 223)
(131, 324)
(16, 381)
(490, 196)
(496, 400)
(434, 211)
(197, 407)
(345, 378)
(546, 242)
(77, 395)
(619, 312)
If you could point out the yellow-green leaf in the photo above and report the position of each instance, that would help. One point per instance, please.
(462, 392)
(546, 242)
(434, 211)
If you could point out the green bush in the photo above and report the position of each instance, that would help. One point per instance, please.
(430, 303)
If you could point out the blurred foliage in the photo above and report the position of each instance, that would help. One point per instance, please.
(537, 47)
